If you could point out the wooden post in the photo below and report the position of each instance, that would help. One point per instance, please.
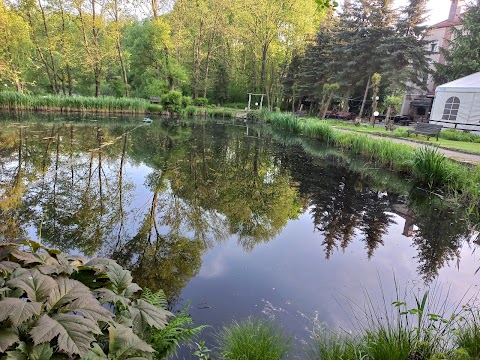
(249, 101)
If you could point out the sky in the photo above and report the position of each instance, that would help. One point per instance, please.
(439, 9)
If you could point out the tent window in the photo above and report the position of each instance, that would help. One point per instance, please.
(451, 109)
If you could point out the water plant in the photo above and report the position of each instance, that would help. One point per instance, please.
(431, 168)
(17, 101)
(253, 339)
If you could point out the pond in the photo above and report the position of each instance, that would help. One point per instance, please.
(240, 220)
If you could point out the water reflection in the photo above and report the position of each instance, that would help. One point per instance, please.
(157, 198)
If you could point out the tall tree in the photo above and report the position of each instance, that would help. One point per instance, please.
(462, 56)
(14, 47)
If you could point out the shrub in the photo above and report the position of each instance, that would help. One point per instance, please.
(53, 303)
(172, 101)
(154, 108)
(187, 101)
(200, 101)
(254, 340)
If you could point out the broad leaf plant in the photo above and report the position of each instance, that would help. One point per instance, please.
(56, 306)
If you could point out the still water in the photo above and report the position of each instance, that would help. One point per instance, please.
(240, 220)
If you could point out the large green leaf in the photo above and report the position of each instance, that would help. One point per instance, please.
(37, 286)
(8, 337)
(108, 296)
(96, 353)
(145, 314)
(100, 264)
(124, 344)
(75, 333)
(120, 278)
(61, 266)
(8, 266)
(15, 355)
(90, 308)
(66, 291)
(41, 352)
(18, 310)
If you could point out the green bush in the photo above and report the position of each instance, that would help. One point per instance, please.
(254, 340)
(51, 302)
(187, 101)
(172, 101)
(154, 108)
(452, 134)
(200, 101)
(63, 306)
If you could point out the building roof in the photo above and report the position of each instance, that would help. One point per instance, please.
(447, 23)
(467, 84)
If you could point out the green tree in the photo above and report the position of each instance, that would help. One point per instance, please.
(462, 57)
(15, 55)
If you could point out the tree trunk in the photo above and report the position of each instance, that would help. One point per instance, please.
(47, 35)
(70, 82)
(327, 105)
(209, 52)
(263, 73)
(119, 49)
(364, 98)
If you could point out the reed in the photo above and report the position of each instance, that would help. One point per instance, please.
(19, 102)
(253, 339)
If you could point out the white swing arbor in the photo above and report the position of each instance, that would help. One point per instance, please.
(250, 100)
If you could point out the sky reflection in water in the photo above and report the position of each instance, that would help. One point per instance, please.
(259, 225)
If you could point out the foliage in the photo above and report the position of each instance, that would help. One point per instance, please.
(172, 101)
(58, 303)
(431, 168)
(178, 331)
(461, 57)
(396, 331)
(253, 339)
(200, 101)
(424, 165)
(17, 101)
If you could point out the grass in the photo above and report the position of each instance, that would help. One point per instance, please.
(17, 102)
(425, 166)
(253, 339)
(206, 112)
(430, 329)
(449, 139)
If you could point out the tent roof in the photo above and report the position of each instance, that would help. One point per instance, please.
(467, 84)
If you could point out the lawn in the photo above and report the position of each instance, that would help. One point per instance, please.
(401, 132)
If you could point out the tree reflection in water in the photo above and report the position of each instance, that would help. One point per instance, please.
(75, 186)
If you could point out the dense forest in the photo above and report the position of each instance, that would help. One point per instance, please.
(219, 49)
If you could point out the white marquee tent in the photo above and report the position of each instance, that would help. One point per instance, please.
(457, 104)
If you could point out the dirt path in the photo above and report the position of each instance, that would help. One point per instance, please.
(458, 156)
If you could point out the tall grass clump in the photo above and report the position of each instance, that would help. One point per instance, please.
(287, 122)
(452, 134)
(253, 339)
(17, 102)
(414, 326)
(327, 345)
(431, 168)
(319, 130)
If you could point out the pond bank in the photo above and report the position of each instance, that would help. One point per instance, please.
(456, 155)
(426, 165)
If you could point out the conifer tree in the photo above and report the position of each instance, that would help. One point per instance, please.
(462, 56)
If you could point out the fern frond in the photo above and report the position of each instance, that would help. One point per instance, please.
(158, 299)
(179, 331)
